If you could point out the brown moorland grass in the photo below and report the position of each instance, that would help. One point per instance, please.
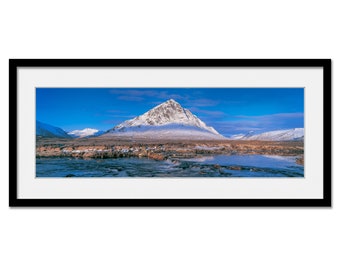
(117, 147)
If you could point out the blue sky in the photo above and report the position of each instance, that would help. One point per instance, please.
(229, 110)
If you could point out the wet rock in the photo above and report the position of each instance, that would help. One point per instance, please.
(224, 173)
(114, 171)
(184, 165)
(156, 156)
(300, 161)
(254, 170)
(235, 168)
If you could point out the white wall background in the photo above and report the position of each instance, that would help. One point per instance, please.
(168, 238)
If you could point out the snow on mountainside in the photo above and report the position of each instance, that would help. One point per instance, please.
(167, 120)
(86, 132)
(45, 130)
(277, 135)
(242, 136)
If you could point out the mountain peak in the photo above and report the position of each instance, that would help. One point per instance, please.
(171, 101)
(169, 114)
(86, 132)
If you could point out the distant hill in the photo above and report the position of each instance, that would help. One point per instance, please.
(295, 134)
(85, 133)
(48, 131)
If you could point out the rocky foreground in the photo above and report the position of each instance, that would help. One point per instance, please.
(160, 150)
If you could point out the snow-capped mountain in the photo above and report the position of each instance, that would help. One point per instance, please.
(168, 120)
(46, 130)
(277, 135)
(84, 133)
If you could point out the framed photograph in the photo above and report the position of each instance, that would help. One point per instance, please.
(170, 132)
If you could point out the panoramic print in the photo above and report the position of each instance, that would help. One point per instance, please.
(170, 132)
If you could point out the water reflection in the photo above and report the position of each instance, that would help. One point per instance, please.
(211, 166)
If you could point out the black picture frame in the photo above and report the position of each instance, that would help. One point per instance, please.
(14, 64)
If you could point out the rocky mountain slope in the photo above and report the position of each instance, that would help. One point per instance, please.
(168, 120)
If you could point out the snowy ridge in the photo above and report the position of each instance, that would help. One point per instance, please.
(166, 134)
(45, 130)
(167, 120)
(277, 135)
(86, 132)
(242, 136)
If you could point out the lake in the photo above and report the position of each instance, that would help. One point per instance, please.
(210, 166)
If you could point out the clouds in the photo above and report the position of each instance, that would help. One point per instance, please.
(144, 94)
(187, 97)
(278, 120)
(203, 102)
(270, 117)
(130, 98)
(260, 123)
(210, 113)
